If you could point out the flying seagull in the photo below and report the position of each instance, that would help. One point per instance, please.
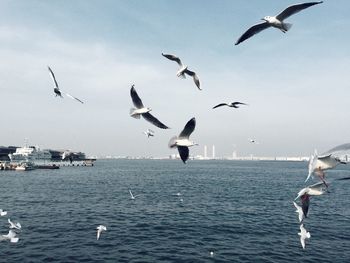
(15, 225)
(12, 236)
(232, 104)
(100, 228)
(303, 235)
(142, 110)
(3, 213)
(183, 69)
(305, 193)
(57, 90)
(149, 133)
(182, 142)
(276, 21)
(299, 211)
(317, 164)
(132, 196)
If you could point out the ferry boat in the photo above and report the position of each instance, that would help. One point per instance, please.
(31, 153)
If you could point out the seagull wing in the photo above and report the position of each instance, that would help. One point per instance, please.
(238, 103)
(135, 98)
(305, 202)
(98, 233)
(252, 31)
(343, 148)
(131, 194)
(195, 78)
(53, 76)
(189, 128)
(293, 9)
(173, 58)
(184, 153)
(74, 98)
(220, 105)
(149, 117)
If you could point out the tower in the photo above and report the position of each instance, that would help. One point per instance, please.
(205, 152)
(213, 151)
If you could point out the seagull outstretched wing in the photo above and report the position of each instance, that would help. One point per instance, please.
(189, 128)
(135, 98)
(293, 9)
(252, 31)
(173, 58)
(149, 117)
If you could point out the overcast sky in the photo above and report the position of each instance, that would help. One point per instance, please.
(296, 84)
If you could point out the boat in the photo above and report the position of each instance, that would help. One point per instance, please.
(31, 154)
(47, 166)
(25, 166)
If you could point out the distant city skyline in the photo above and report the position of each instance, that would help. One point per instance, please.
(295, 84)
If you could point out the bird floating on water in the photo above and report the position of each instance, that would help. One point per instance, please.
(100, 228)
(182, 141)
(3, 213)
(15, 225)
(57, 90)
(232, 104)
(303, 235)
(276, 21)
(183, 69)
(142, 110)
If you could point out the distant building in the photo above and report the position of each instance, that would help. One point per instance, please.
(213, 151)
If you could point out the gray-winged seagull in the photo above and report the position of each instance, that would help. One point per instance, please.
(100, 228)
(303, 235)
(182, 141)
(183, 69)
(276, 21)
(57, 90)
(142, 110)
(232, 104)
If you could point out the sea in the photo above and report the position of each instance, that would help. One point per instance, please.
(202, 211)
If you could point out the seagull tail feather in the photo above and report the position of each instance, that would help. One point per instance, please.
(136, 116)
(287, 26)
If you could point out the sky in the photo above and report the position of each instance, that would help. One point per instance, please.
(296, 84)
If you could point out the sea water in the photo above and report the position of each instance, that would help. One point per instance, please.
(242, 211)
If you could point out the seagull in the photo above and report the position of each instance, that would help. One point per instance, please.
(3, 213)
(132, 196)
(299, 211)
(183, 69)
(303, 235)
(317, 164)
(182, 142)
(100, 228)
(253, 141)
(12, 236)
(232, 104)
(57, 89)
(149, 133)
(276, 21)
(16, 225)
(142, 110)
(305, 193)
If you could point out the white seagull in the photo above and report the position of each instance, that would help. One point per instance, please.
(142, 110)
(182, 142)
(100, 228)
(15, 225)
(317, 164)
(183, 69)
(299, 211)
(303, 235)
(305, 193)
(12, 236)
(149, 133)
(276, 21)
(57, 90)
(3, 213)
